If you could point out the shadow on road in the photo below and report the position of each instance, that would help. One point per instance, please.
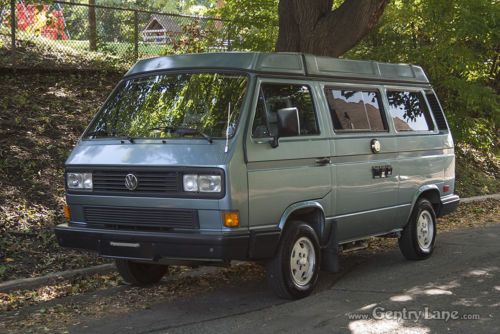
(457, 290)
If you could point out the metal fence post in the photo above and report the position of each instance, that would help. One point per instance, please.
(92, 26)
(136, 35)
(229, 42)
(13, 30)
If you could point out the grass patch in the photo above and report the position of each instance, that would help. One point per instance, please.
(477, 173)
(42, 53)
(41, 118)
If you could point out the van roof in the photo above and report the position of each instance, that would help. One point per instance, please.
(297, 64)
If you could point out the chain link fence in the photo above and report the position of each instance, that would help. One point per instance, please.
(51, 32)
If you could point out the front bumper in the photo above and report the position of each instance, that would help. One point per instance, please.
(152, 246)
(448, 204)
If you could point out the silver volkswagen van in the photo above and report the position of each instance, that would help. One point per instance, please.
(281, 158)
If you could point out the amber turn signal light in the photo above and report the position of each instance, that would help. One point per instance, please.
(231, 219)
(67, 212)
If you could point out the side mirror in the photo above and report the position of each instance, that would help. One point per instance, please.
(288, 124)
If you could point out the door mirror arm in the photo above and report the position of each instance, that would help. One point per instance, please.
(275, 142)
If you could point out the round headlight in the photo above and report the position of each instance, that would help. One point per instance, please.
(75, 180)
(209, 183)
(190, 182)
(87, 181)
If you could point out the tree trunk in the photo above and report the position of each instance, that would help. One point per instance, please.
(92, 27)
(310, 26)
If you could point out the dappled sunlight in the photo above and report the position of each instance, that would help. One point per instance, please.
(373, 326)
(427, 308)
(434, 289)
(469, 302)
(15, 299)
(429, 290)
(401, 298)
(482, 272)
(367, 307)
(448, 286)
(437, 292)
(60, 92)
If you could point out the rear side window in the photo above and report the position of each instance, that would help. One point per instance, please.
(355, 110)
(409, 111)
(273, 97)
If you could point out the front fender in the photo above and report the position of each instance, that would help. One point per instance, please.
(298, 206)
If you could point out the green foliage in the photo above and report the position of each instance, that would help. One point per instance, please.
(3, 270)
(457, 44)
(456, 41)
(253, 23)
(194, 39)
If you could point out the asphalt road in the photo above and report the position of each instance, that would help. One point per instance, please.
(461, 279)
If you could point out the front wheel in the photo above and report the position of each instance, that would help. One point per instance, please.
(293, 272)
(137, 273)
(419, 236)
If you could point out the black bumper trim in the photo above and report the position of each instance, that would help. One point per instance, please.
(448, 205)
(149, 246)
(263, 244)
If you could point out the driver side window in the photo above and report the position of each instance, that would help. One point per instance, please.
(273, 97)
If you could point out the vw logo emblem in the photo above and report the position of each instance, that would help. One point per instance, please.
(131, 182)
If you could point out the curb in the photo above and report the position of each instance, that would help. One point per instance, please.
(36, 282)
(480, 198)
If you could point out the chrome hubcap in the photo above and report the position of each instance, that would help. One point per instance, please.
(302, 261)
(425, 230)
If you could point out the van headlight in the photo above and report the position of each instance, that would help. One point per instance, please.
(79, 181)
(202, 183)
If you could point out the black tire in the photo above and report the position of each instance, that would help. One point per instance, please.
(137, 273)
(409, 243)
(279, 269)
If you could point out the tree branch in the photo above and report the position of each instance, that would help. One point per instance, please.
(312, 27)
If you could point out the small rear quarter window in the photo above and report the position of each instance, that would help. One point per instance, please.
(437, 111)
(409, 111)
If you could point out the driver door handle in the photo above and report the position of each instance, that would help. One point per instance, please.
(323, 161)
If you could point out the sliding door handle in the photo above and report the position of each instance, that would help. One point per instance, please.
(323, 161)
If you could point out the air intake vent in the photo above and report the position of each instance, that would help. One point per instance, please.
(139, 218)
(437, 111)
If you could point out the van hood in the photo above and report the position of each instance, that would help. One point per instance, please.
(193, 153)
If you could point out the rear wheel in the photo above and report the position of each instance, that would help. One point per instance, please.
(293, 272)
(419, 236)
(137, 273)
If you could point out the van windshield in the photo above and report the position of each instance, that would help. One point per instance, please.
(171, 106)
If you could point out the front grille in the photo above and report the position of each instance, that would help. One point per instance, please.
(140, 218)
(113, 181)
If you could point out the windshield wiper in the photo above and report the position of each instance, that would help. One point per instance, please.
(192, 131)
(105, 134)
(183, 131)
(102, 133)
